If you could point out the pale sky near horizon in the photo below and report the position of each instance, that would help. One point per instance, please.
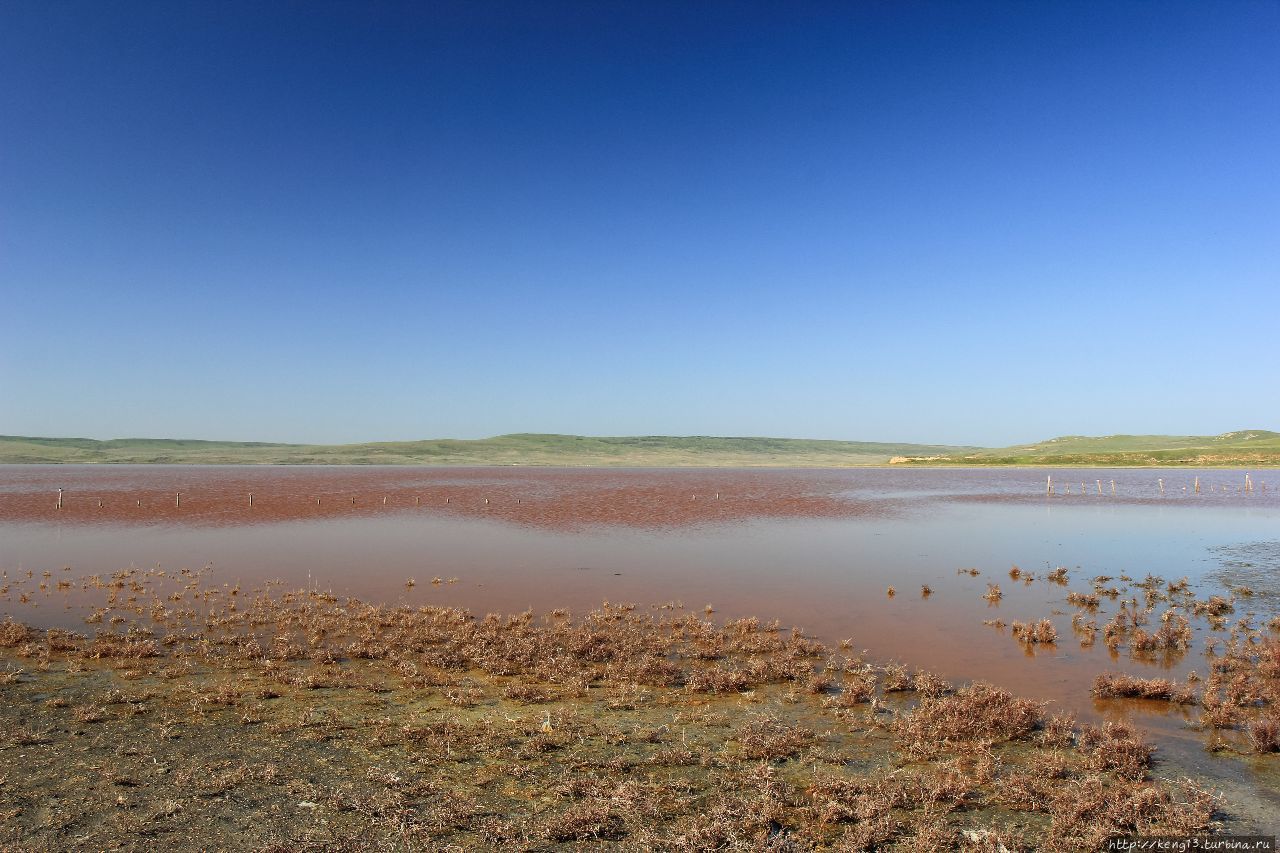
(968, 223)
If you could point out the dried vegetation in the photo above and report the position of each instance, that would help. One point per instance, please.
(291, 720)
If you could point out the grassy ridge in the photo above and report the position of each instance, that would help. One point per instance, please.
(1251, 448)
(518, 449)
(1232, 449)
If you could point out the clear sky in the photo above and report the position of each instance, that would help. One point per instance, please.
(952, 222)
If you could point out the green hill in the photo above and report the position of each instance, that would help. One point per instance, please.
(518, 449)
(1245, 448)
(1255, 447)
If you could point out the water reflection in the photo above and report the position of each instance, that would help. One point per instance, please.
(815, 549)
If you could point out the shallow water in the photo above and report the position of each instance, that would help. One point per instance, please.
(815, 549)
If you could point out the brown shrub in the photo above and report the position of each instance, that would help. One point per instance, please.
(1059, 732)
(1086, 812)
(1118, 685)
(897, 677)
(1218, 714)
(1116, 747)
(14, 634)
(529, 694)
(766, 737)
(1040, 632)
(977, 712)
(1215, 606)
(1086, 601)
(717, 679)
(583, 821)
(122, 646)
(1264, 734)
(1269, 657)
(858, 687)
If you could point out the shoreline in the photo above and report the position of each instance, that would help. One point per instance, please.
(661, 720)
(617, 726)
(779, 466)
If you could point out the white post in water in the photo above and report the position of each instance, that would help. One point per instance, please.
(59, 498)
(1197, 485)
(1113, 488)
(1099, 487)
(1048, 485)
(1161, 482)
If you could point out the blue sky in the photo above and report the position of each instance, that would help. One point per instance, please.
(952, 222)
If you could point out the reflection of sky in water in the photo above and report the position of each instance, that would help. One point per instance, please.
(827, 575)
(1255, 566)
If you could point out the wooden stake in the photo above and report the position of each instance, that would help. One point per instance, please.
(251, 499)
(177, 499)
(1197, 485)
(1113, 487)
(1048, 485)
(416, 501)
(1099, 487)
(1161, 482)
(59, 498)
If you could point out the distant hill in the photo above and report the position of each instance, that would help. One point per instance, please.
(1254, 447)
(1244, 448)
(518, 449)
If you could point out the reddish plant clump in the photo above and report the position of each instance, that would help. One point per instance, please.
(1118, 685)
(13, 634)
(1264, 734)
(1041, 632)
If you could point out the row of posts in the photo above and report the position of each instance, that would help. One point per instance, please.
(1048, 485)
(1048, 490)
